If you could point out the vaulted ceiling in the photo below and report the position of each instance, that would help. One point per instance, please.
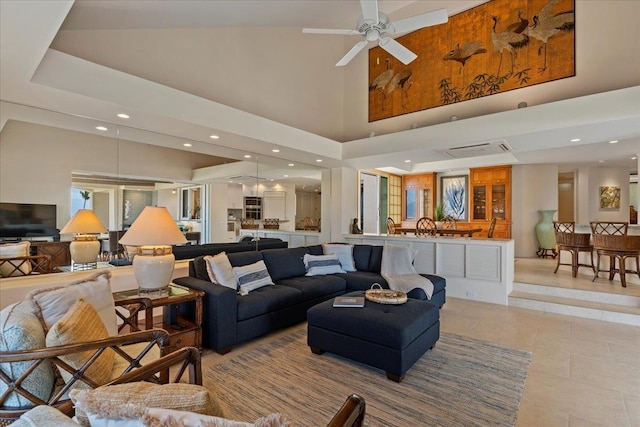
(243, 70)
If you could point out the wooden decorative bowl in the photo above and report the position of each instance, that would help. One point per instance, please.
(385, 296)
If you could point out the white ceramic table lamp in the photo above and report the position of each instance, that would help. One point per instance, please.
(85, 247)
(153, 233)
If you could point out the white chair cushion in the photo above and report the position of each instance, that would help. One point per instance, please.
(12, 250)
(51, 304)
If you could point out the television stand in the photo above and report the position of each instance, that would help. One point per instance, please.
(58, 251)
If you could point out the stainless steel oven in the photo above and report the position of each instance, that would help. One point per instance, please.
(253, 207)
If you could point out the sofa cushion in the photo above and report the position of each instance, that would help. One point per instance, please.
(316, 286)
(318, 265)
(12, 250)
(252, 276)
(267, 299)
(361, 255)
(82, 324)
(285, 263)
(50, 304)
(186, 397)
(315, 250)
(344, 253)
(20, 329)
(362, 280)
(220, 270)
(238, 259)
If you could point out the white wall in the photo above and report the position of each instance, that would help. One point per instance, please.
(534, 188)
(609, 177)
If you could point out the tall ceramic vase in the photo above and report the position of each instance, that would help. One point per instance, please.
(546, 234)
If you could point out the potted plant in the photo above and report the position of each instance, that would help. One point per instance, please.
(438, 216)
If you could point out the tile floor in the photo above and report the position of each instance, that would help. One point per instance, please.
(584, 372)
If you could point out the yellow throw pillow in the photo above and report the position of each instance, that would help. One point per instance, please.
(81, 324)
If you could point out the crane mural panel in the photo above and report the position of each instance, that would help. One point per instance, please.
(498, 46)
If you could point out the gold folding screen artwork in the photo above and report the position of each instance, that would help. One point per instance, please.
(495, 47)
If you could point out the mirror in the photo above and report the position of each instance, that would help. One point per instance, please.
(124, 168)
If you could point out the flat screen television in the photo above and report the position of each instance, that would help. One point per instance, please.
(27, 220)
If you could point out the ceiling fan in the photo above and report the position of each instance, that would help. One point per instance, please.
(373, 25)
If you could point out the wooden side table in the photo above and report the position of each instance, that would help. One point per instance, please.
(183, 332)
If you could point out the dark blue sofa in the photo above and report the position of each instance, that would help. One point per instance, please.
(230, 319)
(246, 244)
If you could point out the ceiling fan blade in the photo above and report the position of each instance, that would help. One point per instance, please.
(428, 19)
(353, 52)
(370, 11)
(400, 52)
(329, 31)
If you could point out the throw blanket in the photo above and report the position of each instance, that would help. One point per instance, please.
(398, 270)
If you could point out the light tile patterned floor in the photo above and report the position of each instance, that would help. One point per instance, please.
(584, 372)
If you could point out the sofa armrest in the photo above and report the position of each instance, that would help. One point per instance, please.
(220, 308)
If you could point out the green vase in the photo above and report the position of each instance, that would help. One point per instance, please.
(544, 230)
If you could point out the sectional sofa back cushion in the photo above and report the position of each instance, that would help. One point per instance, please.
(285, 263)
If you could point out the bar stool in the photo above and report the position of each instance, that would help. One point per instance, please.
(617, 248)
(574, 243)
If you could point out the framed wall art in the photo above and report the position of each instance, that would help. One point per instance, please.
(495, 47)
(609, 197)
(454, 196)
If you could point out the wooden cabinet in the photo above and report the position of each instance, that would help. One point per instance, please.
(59, 252)
(418, 196)
(491, 197)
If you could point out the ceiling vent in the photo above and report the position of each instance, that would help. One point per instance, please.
(245, 178)
(481, 149)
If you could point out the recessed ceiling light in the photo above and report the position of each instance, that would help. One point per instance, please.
(407, 161)
(275, 150)
(102, 128)
(319, 160)
(291, 164)
(214, 137)
(634, 158)
(600, 161)
(186, 144)
(453, 118)
(247, 156)
(123, 115)
(271, 180)
(575, 140)
(613, 141)
(286, 176)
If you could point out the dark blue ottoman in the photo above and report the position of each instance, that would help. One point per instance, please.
(388, 337)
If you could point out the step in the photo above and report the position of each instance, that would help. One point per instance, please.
(579, 291)
(609, 312)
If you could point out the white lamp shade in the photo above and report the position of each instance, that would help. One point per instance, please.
(85, 221)
(153, 227)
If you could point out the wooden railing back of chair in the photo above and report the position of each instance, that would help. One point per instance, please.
(426, 227)
(25, 265)
(612, 228)
(449, 223)
(185, 360)
(564, 227)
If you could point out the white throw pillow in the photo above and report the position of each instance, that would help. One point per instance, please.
(252, 276)
(12, 250)
(220, 270)
(345, 255)
(322, 264)
(53, 303)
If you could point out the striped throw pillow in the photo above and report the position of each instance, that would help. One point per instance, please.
(322, 264)
(252, 276)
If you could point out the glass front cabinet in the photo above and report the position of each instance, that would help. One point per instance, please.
(491, 198)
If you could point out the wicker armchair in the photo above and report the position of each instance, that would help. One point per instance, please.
(185, 360)
(426, 227)
(618, 248)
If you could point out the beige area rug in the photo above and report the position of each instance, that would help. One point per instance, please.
(461, 382)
